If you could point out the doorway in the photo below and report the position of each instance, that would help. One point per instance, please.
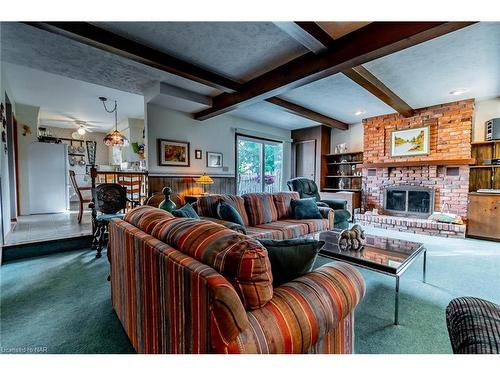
(305, 159)
(259, 165)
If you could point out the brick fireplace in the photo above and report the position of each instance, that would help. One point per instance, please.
(444, 169)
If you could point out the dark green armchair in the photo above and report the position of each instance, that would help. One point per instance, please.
(308, 189)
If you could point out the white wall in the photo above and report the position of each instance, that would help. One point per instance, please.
(353, 137)
(25, 115)
(4, 162)
(216, 134)
(133, 129)
(483, 111)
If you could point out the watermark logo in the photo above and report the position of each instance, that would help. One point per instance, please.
(23, 350)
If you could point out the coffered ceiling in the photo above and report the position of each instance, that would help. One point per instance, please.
(421, 75)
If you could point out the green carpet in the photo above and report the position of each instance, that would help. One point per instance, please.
(60, 303)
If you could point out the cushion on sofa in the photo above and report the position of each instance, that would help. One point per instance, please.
(288, 229)
(257, 232)
(227, 224)
(227, 212)
(305, 209)
(207, 205)
(145, 217)
(186, 211)
(283, 203)
(291, 259)
(242, 260)
(260, 208)
(314, 225)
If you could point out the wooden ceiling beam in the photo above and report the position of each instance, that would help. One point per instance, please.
(97, 37)
(368, 81)
(370, 42)
(360, 74)
(307, 113)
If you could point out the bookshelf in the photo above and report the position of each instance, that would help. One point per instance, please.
(342, 172)
(482, 175)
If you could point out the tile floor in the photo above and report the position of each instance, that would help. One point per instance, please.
(33, 228)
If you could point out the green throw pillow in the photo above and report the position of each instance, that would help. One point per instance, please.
(186, 211)
(305, 209)
(229, 213)
(291, 258)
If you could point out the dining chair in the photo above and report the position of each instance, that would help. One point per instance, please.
(78, 191)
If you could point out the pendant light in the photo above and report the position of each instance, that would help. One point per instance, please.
(115, 138)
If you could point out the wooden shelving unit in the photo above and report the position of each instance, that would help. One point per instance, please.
(343, 172)
(484, 176)
(483, 218)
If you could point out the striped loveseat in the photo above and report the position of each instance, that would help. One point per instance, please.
(266, 215)
(182, 285)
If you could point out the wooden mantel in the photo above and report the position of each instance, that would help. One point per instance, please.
(419, 163)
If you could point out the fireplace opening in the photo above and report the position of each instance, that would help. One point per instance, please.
(409, 201)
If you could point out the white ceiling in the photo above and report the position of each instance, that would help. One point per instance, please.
(62, 100)
(425, 74)
(270, 114)
(238, 50)
(39, 49)
(422, 75)
(338, 97)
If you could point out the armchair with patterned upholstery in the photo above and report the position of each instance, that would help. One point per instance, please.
(308, 189)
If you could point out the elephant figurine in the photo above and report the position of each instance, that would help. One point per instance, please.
(352, 239)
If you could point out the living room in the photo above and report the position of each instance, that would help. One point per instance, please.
(291, 187)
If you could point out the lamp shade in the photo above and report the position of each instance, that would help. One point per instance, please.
(204, 180)
(115, 138)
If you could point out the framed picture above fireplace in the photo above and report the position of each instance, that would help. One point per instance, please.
(410, 142)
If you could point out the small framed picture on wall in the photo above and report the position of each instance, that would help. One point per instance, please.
(197, 154)
(173, 153)
(214, 159)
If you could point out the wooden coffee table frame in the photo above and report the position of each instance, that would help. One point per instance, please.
(380, 268)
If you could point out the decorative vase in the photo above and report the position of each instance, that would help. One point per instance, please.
(167, 203)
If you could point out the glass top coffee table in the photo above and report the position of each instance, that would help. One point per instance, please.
(385, 255)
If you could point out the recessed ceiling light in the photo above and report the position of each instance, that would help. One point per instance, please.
(458, 91)
(359, 112)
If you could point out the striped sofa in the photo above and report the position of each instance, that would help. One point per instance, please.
(182, 285)
(266, 215)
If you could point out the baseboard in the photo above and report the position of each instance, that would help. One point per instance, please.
(34, 249)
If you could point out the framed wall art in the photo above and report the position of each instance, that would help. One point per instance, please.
(410, 142)
(173, 153)
(214, 159)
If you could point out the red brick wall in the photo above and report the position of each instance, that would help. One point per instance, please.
(450, 138)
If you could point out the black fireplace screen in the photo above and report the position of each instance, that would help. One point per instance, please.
(409, 201)
(395, 200)
(419, 201)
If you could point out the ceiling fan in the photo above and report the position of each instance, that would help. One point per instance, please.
(81, 126)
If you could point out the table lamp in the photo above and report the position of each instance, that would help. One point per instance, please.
(204, 180)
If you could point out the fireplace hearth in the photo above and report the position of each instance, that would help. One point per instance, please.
(408, 201)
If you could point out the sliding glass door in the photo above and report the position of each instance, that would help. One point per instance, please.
(259, 165)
